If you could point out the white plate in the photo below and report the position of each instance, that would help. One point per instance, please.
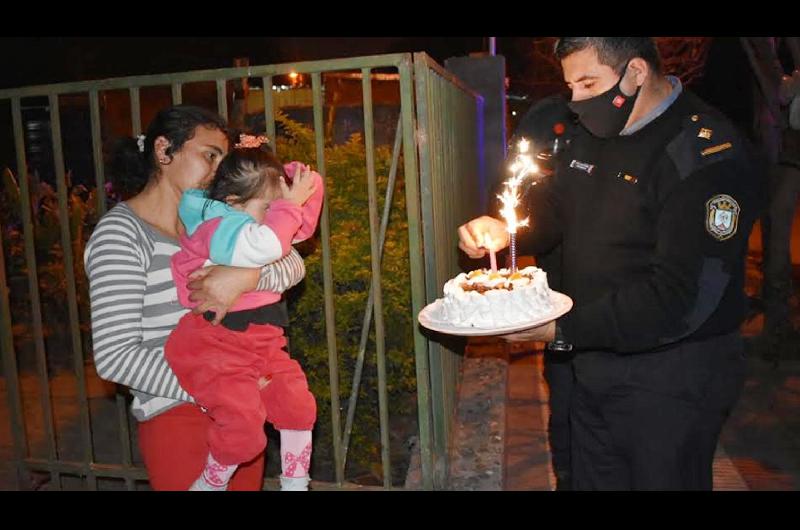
(429, 317)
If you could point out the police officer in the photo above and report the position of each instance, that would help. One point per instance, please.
(653, 208)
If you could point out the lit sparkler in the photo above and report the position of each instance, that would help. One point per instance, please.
(522, 166)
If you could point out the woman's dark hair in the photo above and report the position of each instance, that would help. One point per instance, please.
(131, 168)
(245, 173)
(612, 51)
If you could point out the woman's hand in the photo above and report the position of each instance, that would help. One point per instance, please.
(217, 288)
(482, 234)
(302, 188)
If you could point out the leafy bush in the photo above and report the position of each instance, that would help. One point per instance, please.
(51, 269)
(348, 206)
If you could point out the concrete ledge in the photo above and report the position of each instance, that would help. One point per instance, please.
(476, 458)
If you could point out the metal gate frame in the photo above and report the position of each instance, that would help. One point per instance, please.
(435, 110)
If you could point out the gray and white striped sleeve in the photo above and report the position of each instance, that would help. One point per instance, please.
(117, 282)
(283, 274)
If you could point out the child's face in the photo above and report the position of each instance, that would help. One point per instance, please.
(257, 206)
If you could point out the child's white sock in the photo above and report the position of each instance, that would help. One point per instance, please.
(295, 460)
(294, 483)
(215, 476)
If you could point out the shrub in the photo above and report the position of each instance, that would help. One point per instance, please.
(348, 206)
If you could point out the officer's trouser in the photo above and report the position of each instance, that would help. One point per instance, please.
(560, 382)
(656, 426)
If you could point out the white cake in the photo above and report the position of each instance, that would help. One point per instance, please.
(484, 299)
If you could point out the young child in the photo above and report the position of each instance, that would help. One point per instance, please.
(238, 371)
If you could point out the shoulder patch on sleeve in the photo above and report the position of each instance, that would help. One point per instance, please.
(705, 139)
(722, 217)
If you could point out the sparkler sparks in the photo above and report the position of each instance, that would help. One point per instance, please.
(522, 167)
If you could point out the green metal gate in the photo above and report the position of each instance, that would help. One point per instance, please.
(437, 137)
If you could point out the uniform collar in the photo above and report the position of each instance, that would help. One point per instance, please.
(677, 88)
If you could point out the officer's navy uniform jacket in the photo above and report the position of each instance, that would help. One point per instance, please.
(643, 261)
(654, 229)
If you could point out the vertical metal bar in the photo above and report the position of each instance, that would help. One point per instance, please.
(365, 325)
(97, 152)
(269, 113)
(122, 413)
(72, 292)
(33, 288)
(450, 229)
(125, 438)
(327, 277)
(380, 335)
(459, 164)
(222, 98)
(11, 374)
(136, 111)
(430, 168)
(432, 231)
(177, 93)
(417, 272)
(444, 114)
(462, 159)
(450, 179)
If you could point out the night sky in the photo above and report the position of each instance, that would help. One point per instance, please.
(27, 61)
(32, 61)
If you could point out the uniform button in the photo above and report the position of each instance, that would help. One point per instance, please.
(695, 117)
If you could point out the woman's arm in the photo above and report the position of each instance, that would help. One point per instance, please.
(280, 276)
(117, 282)
(218, 287)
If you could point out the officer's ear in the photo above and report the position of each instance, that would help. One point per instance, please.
(638, 70)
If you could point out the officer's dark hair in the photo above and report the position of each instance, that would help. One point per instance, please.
(612, 51)
(132, 168)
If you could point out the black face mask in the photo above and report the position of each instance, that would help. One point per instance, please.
(606, 114)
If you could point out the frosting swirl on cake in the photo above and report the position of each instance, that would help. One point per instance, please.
(485, 299)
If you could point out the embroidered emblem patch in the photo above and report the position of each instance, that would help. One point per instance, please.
(705, 133)
(618, 101)
(722, 217)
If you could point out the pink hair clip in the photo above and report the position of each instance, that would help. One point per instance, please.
(248, 140)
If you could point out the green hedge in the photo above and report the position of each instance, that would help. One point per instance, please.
(346, 181)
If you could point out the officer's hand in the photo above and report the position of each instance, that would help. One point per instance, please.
(473, 238)
(543, 333)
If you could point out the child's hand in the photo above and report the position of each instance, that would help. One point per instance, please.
(303, 186)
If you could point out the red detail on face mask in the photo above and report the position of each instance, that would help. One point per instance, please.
(558, 128)
(618, 101)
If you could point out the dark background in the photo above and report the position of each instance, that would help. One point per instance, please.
(726, 82)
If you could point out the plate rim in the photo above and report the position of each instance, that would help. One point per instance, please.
(473, 331)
